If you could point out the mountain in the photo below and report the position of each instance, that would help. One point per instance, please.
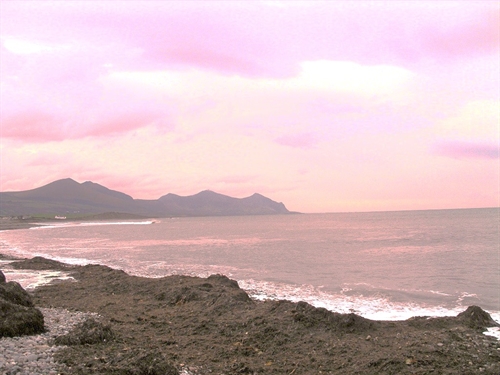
(209, 203)
(68, 197)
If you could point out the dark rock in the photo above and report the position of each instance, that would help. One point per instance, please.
(14, 293)
(17, 320)
(90, 331)
(2, 277)
(476, 317)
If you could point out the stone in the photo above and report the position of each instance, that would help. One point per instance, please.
(2, 277)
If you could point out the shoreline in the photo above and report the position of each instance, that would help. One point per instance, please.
(212, 326)
(381, 311)
(13, 223)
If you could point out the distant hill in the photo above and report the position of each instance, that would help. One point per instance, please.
(67, 197)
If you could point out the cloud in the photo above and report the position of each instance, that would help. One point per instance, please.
(253, 39)
(123, 123)
(305, 140)
(31, 126)
(467, 150)
(38, 126)
(23, 47)
(476, 36)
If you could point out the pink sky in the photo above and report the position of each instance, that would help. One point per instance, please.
(325, 106)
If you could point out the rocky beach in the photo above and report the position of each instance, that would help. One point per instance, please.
(107, 322)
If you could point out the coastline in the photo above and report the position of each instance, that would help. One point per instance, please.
(202, 326)
(13, 224)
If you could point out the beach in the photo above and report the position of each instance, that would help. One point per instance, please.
(15, 223)
(193, 325)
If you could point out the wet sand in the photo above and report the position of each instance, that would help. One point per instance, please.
(194, 325)
(10, 224)
(17, 223)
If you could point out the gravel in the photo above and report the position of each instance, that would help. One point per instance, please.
(34, 355)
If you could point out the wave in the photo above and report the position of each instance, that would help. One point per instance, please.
(375, 307)
(30, 279)
(91, 223)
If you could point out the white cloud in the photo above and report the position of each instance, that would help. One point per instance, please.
(478, 120)
(350, 76)
(26, 47)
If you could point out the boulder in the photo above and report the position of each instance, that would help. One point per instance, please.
(17, 313)
(2, 277)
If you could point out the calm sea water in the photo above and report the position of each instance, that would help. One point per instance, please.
(384, 265)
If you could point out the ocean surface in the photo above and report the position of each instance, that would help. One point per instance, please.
(381, 265)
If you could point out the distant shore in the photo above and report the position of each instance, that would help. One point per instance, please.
(211, 326)
(11, 224)
(30, 222)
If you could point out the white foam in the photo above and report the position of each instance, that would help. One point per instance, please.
(493, 331)
(90, 223)
(30, 279)
(374, 308)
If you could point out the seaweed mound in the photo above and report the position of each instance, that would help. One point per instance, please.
(18, 316)
(476, 317)
(147, 364)
(41, 263)
(90, 331)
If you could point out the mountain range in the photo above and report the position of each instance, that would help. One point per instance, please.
(67, 197)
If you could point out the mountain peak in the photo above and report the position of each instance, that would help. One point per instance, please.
(63, 181)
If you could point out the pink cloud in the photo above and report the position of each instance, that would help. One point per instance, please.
(204, 58)
(304, 140)
(33, 126)
(480, 35)
(124, 123)
(256, 40)
(467, 150)
(38, 126)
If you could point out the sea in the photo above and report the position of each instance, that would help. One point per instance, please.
(380, 265)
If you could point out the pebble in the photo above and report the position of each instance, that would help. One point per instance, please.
(34, 355)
